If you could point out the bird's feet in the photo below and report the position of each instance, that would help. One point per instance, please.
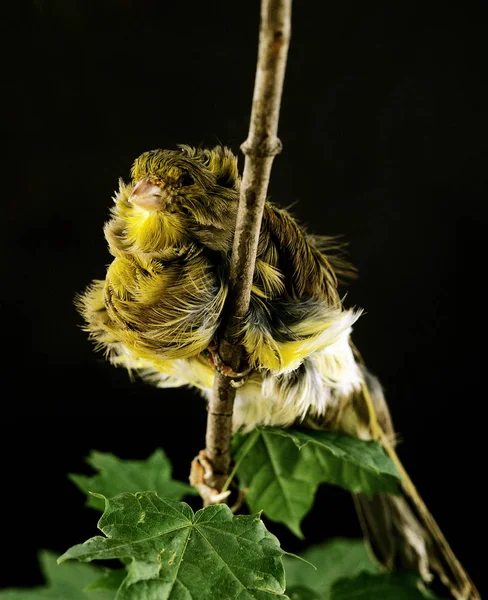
(238, 377)
(201, 471)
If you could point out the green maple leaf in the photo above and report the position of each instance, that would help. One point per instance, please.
(302, 593)
(65, 582)
(116, 476)
(283, 468)
(173, 553)
(394, 586)
(345, 570)
(332, 560)
(110, 580)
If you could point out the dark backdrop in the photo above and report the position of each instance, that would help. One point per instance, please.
(383, 126)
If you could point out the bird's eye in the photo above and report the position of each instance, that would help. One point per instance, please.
(186, 179)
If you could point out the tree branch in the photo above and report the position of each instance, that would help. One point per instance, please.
(260, 148)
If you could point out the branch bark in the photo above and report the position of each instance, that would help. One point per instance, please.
(260, 148)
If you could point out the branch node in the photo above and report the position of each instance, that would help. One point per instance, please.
(270, 146)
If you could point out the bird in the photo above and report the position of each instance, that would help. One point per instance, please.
(158, 309)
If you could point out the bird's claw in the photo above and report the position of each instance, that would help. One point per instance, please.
(238, 378)
(240, 499)
(201, 470)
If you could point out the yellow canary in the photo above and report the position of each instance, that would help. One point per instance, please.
(158, 309)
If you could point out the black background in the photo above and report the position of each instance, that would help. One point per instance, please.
(383, 124)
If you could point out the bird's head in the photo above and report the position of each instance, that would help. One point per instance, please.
(176, 195)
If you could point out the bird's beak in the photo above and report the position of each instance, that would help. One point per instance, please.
(148, 196)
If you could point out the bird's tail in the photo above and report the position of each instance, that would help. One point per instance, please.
(401, 531)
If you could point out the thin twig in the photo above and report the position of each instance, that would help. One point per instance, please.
(260, 148)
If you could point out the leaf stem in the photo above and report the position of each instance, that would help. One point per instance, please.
(246, 447)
